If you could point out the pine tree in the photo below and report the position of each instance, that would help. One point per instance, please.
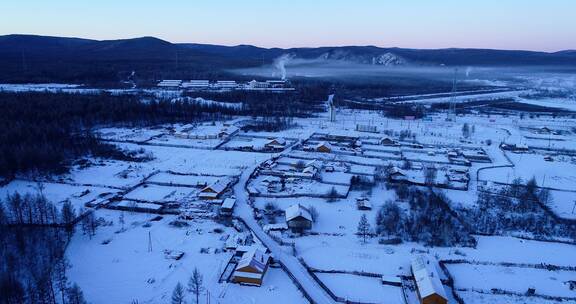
(195, 284)
(178, 294)
(363, 228)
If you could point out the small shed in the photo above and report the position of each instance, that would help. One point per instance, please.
(227, 207)
(363, 203)
(387, 141)
(298, 218)
(324, 147)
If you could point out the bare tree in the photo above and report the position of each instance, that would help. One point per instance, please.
(195, 284)
(68, 213)
(313, 213)
(60, 276)
(75, 295)
(121, 220)
(89, 224)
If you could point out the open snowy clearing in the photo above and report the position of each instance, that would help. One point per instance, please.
(372, 290)
(124, 269)
(515, 279)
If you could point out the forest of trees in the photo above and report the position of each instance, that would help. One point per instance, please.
(428, 221)
(33, 237)
(44, 132)
(518, 208)
(300, 103)
(514, 209)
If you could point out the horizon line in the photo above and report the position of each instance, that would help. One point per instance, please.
(292, 47)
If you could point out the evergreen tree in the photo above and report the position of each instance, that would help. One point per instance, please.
(363, 228)
(178, 294)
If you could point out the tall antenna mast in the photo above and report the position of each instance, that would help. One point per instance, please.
(452, 106)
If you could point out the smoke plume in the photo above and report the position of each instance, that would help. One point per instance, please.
(280, 64)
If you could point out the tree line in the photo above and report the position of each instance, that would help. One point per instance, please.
(46, 131)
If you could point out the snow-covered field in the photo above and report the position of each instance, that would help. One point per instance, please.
(372, 290)
(125, 269)
(514, 279)
(555, 174)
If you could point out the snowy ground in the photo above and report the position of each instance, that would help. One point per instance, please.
(116, 267)
(372, 291)
(124, 269)
(514, 279)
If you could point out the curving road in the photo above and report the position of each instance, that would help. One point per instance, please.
(300, 274)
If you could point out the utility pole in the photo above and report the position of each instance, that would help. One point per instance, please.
(574, 208)
(149, 242)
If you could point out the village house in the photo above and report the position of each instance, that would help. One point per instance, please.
(227, 207)
(214, 190)
(477, 156)
(252, 267)
(397, 174)
(428, 285)
(228, 131)
(324, 147)
(298, 218)
(276, 143)
(387, 141)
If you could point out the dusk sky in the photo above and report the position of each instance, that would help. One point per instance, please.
(500, 24)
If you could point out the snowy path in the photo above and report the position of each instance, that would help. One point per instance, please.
(244, 211)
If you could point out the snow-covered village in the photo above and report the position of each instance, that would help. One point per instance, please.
(238, 174)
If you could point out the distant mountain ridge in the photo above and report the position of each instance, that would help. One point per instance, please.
(43, 58)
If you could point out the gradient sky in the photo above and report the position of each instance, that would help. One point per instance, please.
(547, 25)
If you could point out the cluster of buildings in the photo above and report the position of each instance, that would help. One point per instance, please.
(208, 132)
(227, 85)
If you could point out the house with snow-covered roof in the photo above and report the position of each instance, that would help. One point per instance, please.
(252, 267)
(298, 218)
(428, 285)
(276, 143)
(397, 174)
(214, 190)
(387, 141)
(227, 207)
(323, 147)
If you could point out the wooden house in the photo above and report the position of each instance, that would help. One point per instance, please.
(252, 267)
(298, 218)
(276, 143)
(214, 190)
(428, 285)
(397, 174)
(324, 147)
